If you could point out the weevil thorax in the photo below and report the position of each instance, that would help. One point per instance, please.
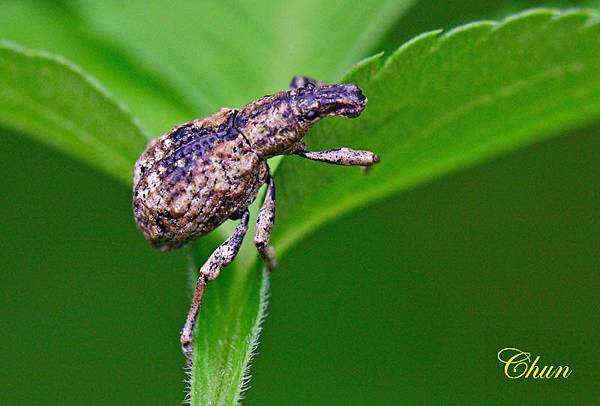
(268, 125)
(277, 124)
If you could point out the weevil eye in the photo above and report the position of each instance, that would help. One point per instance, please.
(311, 115)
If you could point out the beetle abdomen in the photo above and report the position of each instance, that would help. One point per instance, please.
(192, 179)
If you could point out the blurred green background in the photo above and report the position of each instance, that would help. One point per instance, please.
(406, 301)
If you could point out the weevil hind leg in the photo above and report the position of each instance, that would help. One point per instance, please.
(299, 81)
(218, 260)
(264, 224)
(342, 156)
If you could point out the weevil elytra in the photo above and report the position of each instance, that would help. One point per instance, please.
(202, 173)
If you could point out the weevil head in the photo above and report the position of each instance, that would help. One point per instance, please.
(311, 103)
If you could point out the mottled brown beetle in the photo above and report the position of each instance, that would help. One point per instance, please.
(191, 180)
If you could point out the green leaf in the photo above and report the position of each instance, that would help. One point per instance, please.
(225, 53)
(57, 28)
(444, 102)
(54, 102)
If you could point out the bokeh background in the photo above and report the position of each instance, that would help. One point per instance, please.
(405, 301)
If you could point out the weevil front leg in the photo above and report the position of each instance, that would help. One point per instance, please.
(342, 156)
(264, 223)
(218, 260)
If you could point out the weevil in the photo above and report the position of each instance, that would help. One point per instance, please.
(202, 173)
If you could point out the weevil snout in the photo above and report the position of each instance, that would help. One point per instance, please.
(341, 100)
(313, 102)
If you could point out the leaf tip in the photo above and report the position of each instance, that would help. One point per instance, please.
(413, 46)
(420, 40)
(469, 28)
(364, 69)
(540, 15)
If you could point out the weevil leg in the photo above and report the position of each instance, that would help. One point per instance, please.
(342, 156)
(264, 223)
(299, 81)
(218, 260)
